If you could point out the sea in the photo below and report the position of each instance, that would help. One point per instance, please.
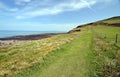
(4, 34)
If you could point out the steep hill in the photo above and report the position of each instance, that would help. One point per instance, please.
(114, 21)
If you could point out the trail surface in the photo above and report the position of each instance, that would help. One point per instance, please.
(70, 61)
(72, 64)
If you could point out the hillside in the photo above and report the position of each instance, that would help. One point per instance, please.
(114, 21)
(90, 50)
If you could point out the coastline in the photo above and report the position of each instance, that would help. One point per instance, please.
(16, 40)
(30, 37)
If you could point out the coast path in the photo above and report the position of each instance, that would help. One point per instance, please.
(74, 63)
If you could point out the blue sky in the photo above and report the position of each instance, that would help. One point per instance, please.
(54, 15)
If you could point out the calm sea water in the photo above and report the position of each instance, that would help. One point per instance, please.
(15, 33)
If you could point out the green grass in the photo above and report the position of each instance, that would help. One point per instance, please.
(111, 21)
(106, 54)
(89, 53)
(109, 33)
(69, 61)
(14, 59)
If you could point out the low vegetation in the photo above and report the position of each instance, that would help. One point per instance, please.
(14, 59)
(106, 54)
(92, 50)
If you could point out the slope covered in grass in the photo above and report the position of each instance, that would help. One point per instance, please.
(14, 59)
(69, 61)
(88, 51)
(106, 55)
(89, 55)
(114, 21)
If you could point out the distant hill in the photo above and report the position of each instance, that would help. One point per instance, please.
(114, 21)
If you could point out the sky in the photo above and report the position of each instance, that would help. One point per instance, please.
(54, 15)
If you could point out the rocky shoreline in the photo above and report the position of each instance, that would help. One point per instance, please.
(4, 43)
(16, 40)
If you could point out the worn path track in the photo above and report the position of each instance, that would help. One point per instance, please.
(71, 61)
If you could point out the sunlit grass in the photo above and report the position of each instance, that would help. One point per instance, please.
(71, 60)
(109, 33)
(106, 55)
(14, 59)
(90, 51)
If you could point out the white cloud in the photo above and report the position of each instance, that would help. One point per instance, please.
(27, 0)
(57, 8)
(13, 9)
(34, 8)
(21, 2)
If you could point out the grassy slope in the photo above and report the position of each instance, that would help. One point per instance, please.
(109, 33)
(112, 20)
(72, 59)
(72, 63)
(80, 59)
(106, 54)
(14, 59)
